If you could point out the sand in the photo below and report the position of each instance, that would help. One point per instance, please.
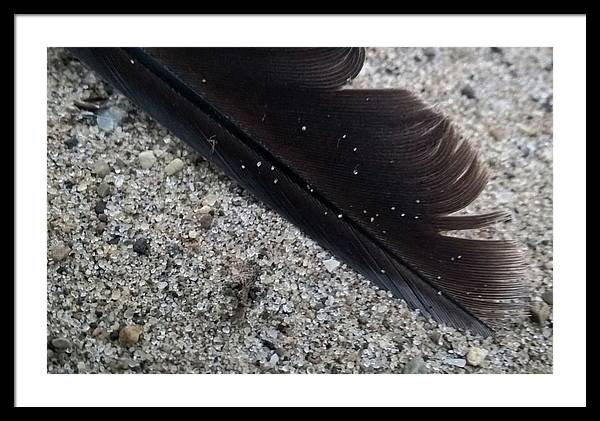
(171, 253)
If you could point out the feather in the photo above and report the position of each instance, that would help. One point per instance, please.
(376, 176)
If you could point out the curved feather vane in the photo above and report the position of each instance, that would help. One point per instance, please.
(373, 175)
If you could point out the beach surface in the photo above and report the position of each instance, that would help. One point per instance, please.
(159, 263)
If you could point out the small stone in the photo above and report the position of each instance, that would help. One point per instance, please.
(140, 246)
(468, 91)
(331, 264)
(114, 335)
(429, 53)
(274, 359)
(547, 105)
(98, 332)
(59, 252)
(71, 142)
(101, 168)
(496, 133)
(205, 220)
(209, 200)
(548, 296)
(193, 234)
(526, 130)
(204, 210)
(110, 118)
(540, 311)
(130, 335)
(60, 344)
(457, 362)
(103, 189)
(174, 166)
(147, 159)
(100, 206)
(130, 209)
(100, 227)
(436, 338)
(415, 366)
(476, 355)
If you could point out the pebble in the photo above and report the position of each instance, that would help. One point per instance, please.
(436, 338)
(429, 53)
(130, 335)
(476, 355)
(100, 227)
(415, 366)
(210, 200)
(59, 252)
(205, 220)
(205, 209)
(140, 246)
(193, 234)
(60, 344)
(548, 296)
(457, 362)
(468, 91)
(540, 311)
(174, 166)
(547, 104)
(99, 207)
(147, 159)
(274, 359)
(71, 142)
(110, 118)
(529, 131)
(103, 189)
(331, 264)
(101, 168)
(496, 133)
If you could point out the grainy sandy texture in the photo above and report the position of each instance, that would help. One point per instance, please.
(129, 244)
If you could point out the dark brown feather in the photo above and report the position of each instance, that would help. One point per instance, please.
(374, 175)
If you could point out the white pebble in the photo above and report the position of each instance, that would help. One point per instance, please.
(331, 264)
(174, 166)
(147, 159)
